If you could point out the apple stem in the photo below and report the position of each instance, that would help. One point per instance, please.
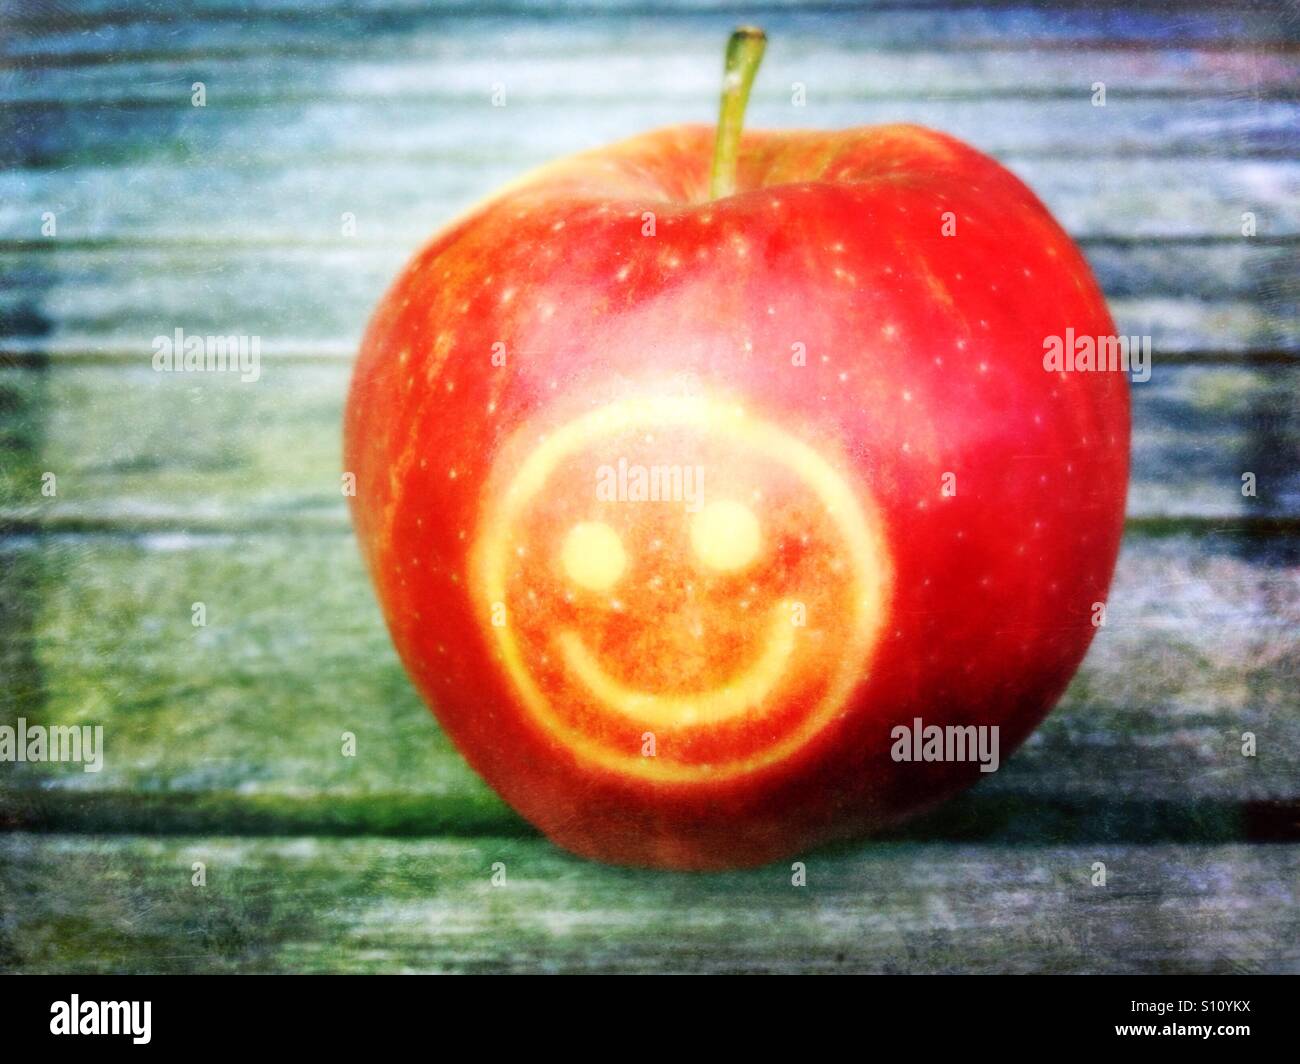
(744, 53)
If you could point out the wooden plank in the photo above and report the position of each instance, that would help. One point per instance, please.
(292, 32)
(404, 201)
(137, 449)
(1235, 295)
(89, 14)
(564, 65)
(237, 726)
(368, 905)
(465, 130)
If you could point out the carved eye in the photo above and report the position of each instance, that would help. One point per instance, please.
(593, 555)
(725, 535)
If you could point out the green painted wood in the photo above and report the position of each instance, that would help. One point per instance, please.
(598, 66)
(135, 449)
(238, 725)
(367, 905)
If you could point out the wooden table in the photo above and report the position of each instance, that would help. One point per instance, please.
(223, 742)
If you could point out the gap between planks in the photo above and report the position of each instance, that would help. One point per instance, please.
(1008, 817)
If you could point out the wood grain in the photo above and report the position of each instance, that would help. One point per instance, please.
(1189, 165)
(367, 905)
(667, 62)
(238, 29)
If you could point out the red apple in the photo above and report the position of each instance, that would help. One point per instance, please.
(868, 500)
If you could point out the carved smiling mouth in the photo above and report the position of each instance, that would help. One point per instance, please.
(741, 695)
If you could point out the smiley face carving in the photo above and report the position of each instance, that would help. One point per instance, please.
(725, 537)
(707, 632)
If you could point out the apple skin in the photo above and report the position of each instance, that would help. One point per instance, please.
(924, 357)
